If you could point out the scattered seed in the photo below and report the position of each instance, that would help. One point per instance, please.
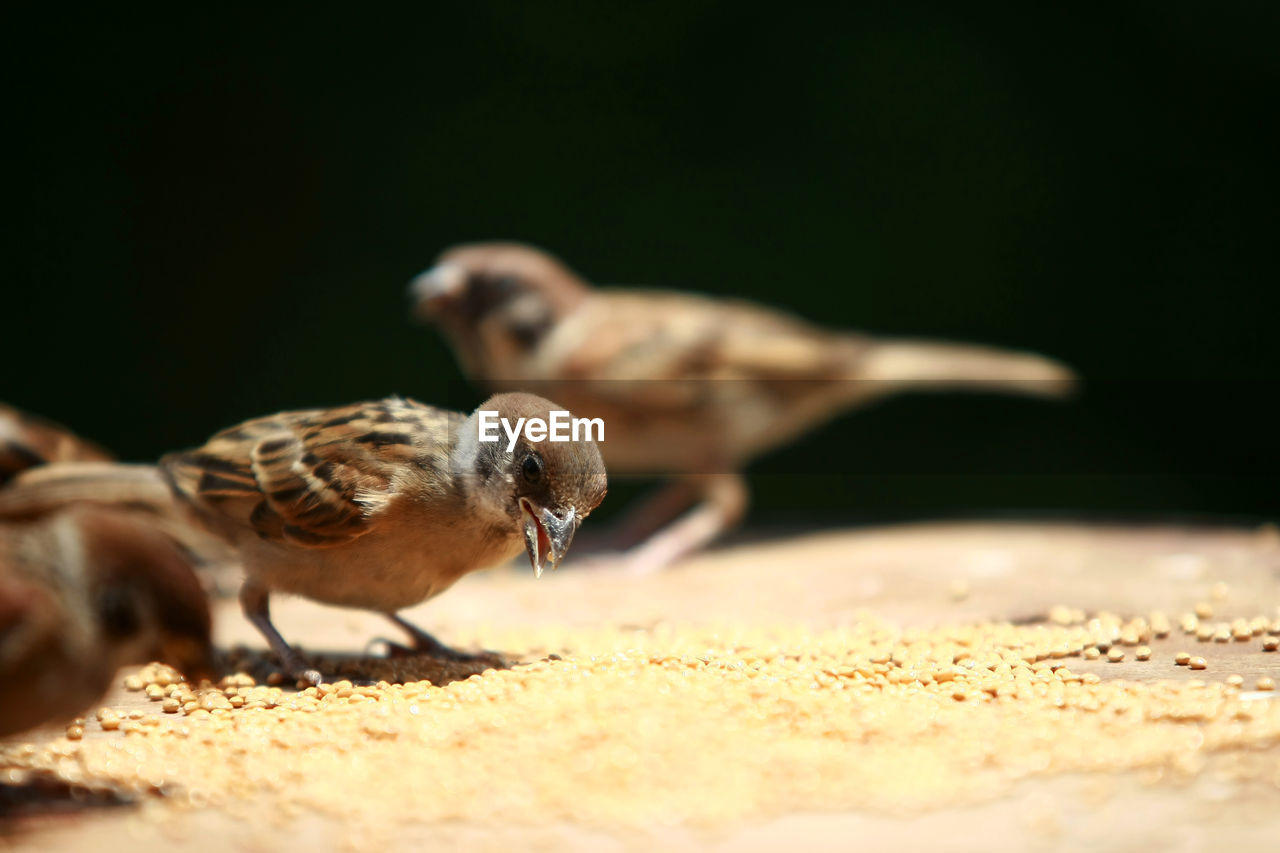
(779, 688)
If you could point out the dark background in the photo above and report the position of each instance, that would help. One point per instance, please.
(214, 216)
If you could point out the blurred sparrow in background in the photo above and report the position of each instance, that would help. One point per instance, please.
(644, 361)
(45, 468)
(84, 591)
(384, 504)
(27, 441)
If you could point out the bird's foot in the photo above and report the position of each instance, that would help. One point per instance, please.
(425, 644)
(436, 649)
(297, 668)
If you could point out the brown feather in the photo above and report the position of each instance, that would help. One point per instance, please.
(315, 478)
(27, 441)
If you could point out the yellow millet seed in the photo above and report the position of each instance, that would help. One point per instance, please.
(1142, 653)
(1115, 656)
(1198, 663)
(1159, 624)
(1266, 683)
(1182, 659)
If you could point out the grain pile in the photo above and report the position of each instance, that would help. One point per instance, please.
(628, 728)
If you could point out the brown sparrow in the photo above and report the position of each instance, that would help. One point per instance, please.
(138, 490)
(641, 360)
(384, 504)
(44, 468)
(84, 591)
(27, 441)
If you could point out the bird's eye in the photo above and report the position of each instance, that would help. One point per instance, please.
(505, 284)
(532, 468)
(118, 612)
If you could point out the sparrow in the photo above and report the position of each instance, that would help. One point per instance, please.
(384, 504)
(85, 590)
(138, 490)
(45, 467)
(27, 441)
(644, 361)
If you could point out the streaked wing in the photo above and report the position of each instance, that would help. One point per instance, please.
(315, 478)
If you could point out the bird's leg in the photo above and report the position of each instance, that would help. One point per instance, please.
(724, 499)
(429, 645)
(255, 602)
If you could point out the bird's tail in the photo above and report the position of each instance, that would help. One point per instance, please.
(49, 487)
(895, 366)
(140, 488)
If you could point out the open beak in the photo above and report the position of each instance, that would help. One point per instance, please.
(546, 535)
(437, 287)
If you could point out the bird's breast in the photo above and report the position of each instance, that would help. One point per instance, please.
(399, 564)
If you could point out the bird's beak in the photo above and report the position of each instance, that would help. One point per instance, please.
(546, 535)
(190, 656)
(437, 287)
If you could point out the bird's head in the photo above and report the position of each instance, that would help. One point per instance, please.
(546, 488)
(495, 301)
(145, 595)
